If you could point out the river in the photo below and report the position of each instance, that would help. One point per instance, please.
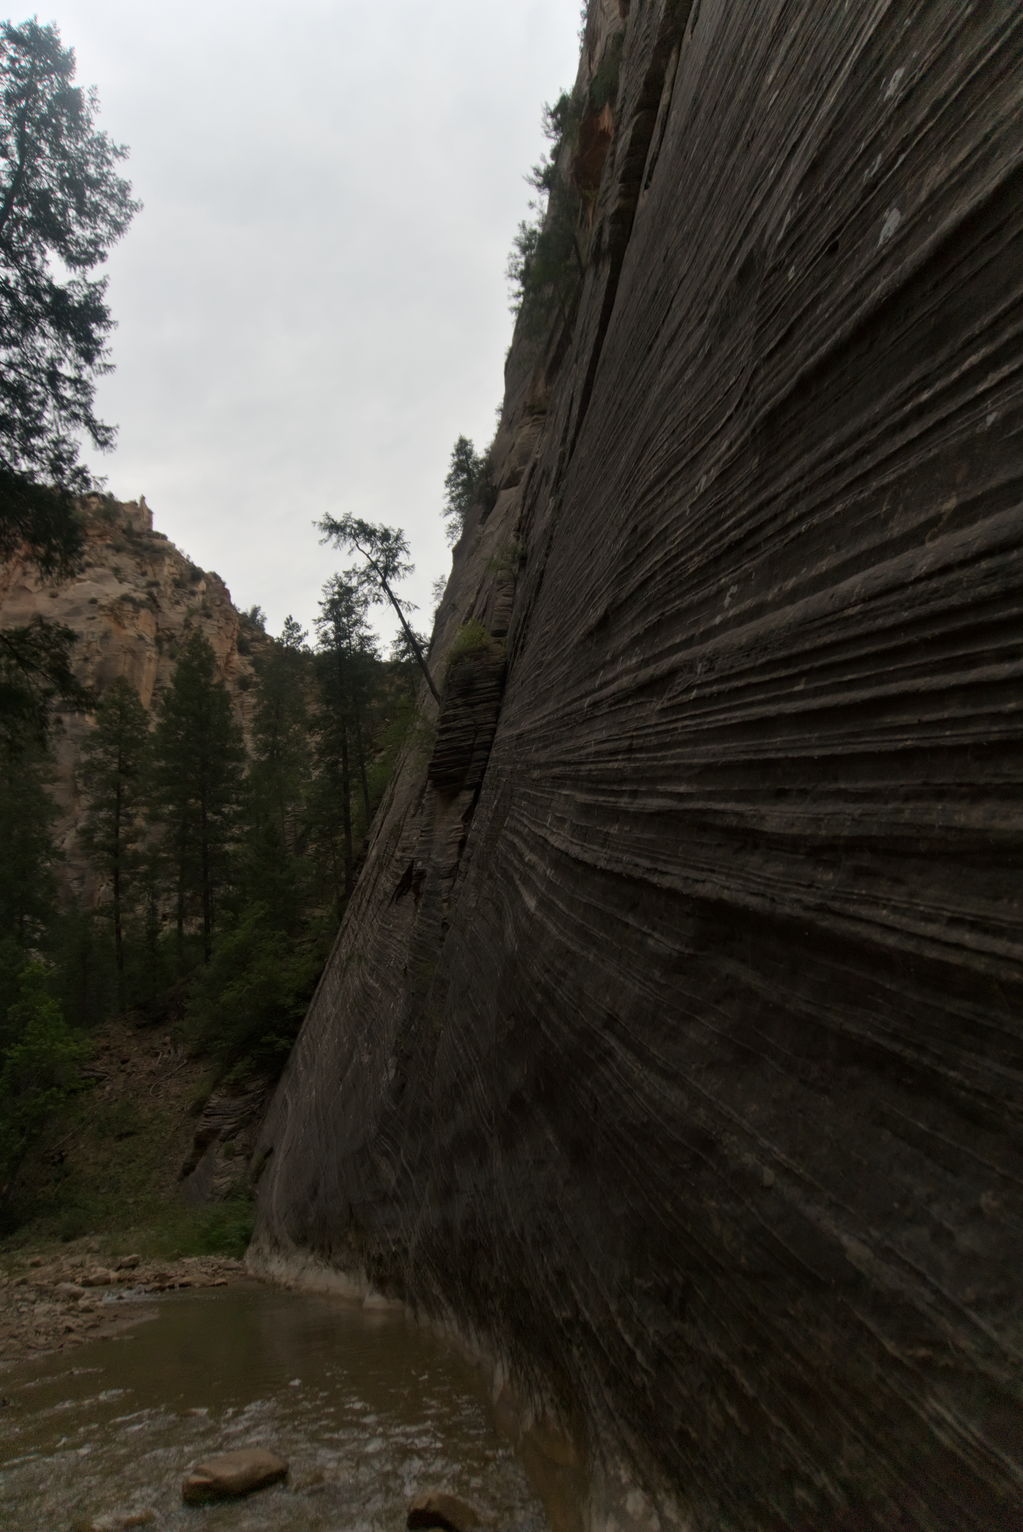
(367, 1408)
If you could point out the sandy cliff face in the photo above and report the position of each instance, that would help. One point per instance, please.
(131, 605)
(671, 1044)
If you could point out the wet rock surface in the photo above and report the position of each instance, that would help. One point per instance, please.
(56, 1301)
(229, 1475)
(116, 1522)
(441, 1510)
(680, 1058)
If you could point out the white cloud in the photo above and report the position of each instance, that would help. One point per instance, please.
(311, 306)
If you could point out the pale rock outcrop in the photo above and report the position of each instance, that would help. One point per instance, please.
(131, 605)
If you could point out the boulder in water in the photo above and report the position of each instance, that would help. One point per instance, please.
(230, 1474)
(444, 1512)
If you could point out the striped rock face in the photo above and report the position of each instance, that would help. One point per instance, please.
(671, 1045)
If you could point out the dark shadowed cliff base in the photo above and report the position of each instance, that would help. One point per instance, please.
(671, 1045)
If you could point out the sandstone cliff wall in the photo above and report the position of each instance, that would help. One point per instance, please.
(131, 604)
(671, 1044)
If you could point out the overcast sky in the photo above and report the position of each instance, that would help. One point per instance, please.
(311, 306)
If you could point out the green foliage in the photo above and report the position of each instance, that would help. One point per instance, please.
(118, 1182)
(603, 88)
(384, 551)
(560, 122)
(467, 482)
(198, 756)
(228, 889)
(272, 865)
(292, 634)
(85, 975)
(508, 560)
(27, 883)
(113, 776)
(345, 645)
(247, 1003)
(471, 639)
(35, 675)
(545, 263)
(62, 206)
(40, 520)
(404, 648)
(40, 1063)
(224, 1228)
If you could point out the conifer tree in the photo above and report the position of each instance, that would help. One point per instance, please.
(279, 779)
(40, 1057)
(62, 206)
(113, 772)
(197, 777)
(464, 479)
(386, 555)
(344, 644)
(28, 890)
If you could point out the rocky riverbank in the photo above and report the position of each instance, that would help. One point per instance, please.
(55, 1300)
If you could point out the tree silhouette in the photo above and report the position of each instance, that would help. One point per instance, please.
(198, 759)
(112, 774)
(62, 205)
(385, 551)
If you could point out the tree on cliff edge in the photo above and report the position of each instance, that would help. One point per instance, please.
(465, 479)
(385, 551)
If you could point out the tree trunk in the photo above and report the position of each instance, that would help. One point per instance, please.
(116, 888)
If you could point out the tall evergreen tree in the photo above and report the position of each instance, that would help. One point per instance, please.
(279, 780)
(464, 480)
(385, 553)
(28, 889)
(345, 645)
(40, 1057)
(62, 206)
(112, 775)
(197, 775)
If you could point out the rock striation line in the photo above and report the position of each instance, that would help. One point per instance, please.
(673, 1046)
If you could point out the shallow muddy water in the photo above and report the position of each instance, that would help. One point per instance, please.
(367, 1408)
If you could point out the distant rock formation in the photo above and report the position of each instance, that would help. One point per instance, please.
(130, 605)
(671, 1046)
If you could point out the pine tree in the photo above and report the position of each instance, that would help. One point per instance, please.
(28, 889)
(279, 780)
(112, 775)
(40, 1057)
(385, 553)
(344, 644)
(464, 480)
(62, 206)
(197, 776)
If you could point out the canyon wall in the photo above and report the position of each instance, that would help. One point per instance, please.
(131, 605)
(671, 1044)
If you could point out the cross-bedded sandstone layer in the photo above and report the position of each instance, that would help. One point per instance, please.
(672, 1047)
